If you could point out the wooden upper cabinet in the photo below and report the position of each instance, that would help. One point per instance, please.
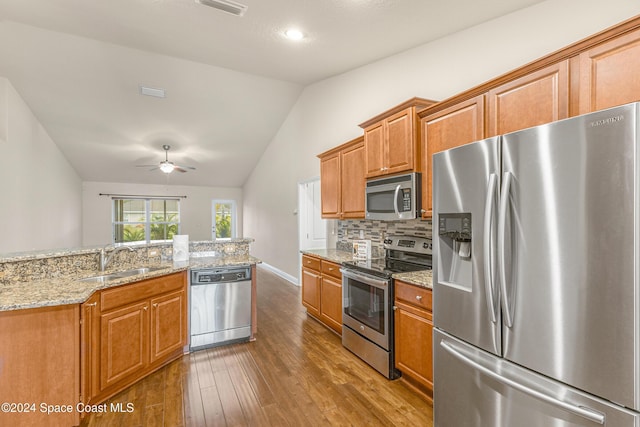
(352, 180)
(330, 185)
(537, 98)
(457, 125)
(375, 157)
(609, 74)
(342, 181)
(391, 139)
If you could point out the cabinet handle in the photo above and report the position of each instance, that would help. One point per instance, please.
(330, 268)
(145, 308)
(419, 297)
(93, 304)
(395, 308)
(155, 305)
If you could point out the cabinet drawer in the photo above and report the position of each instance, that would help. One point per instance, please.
(311, 262)
(125, 294)
(331, 269)
(414, 295)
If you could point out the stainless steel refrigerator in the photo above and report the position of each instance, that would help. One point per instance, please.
(536, 276)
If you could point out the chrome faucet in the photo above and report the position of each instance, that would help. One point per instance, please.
(104, 261)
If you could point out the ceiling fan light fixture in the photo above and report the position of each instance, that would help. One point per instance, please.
(294, 34)
(226, 6)
(167, 167)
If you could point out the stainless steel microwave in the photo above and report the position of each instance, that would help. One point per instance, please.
(394, 197)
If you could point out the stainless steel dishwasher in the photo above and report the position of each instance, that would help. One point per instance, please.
(220, 306)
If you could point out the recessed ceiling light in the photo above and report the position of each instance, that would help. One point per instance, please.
(293, 34)
(226, 6)
(152, 91)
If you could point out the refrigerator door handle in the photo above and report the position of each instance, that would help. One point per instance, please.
(588, 413)
(489, 252)
(502, 225)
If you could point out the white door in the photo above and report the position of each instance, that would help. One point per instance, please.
(312, 229)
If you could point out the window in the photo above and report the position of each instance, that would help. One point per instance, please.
(224, 219)
(145, 220)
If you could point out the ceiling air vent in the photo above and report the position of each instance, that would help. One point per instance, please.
(226, 6)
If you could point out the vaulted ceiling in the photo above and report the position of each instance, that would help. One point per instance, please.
(230, 81)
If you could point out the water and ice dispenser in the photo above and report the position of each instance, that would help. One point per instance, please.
(455, 257)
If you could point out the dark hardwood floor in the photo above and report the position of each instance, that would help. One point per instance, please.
(296, 373)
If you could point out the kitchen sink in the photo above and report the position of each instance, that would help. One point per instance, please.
(121, 274)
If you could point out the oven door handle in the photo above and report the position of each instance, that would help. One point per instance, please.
(365, 278)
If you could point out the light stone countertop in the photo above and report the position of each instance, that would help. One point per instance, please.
(422, 278)
(333, 255)
(71, 290)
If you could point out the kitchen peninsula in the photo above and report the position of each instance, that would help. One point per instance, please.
(68, 343)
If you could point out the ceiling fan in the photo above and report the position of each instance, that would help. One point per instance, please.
(166, 166)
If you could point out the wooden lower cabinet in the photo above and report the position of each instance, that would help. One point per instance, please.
(124, 338)
(40, 365)
(414, 336)
(137, 328)
(322, 291)
(311, 291)
(168, 329)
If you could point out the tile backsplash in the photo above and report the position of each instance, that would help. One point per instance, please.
(376, 231)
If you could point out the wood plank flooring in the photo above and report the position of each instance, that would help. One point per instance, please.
(296, 373)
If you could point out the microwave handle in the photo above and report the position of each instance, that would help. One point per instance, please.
(395, 200)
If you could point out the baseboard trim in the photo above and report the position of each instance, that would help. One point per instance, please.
(278, 272)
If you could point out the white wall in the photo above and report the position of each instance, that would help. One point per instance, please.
(40, 193)
(327, 113)
(195, 209)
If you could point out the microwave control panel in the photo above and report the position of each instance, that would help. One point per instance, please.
(406, 200)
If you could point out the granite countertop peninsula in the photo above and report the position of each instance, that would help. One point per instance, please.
(70, 289)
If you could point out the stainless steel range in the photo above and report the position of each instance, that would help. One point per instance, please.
(367, 289)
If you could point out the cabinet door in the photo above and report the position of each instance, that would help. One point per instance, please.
(610, 74)
(457, 125)
(330, 186)
(353, 181)
(400, 142)
(311, 291)
(331, 303)
(535, 99)
(89, 338)
(168, 324)
(124, 340)
(413, 345)
(374, 143)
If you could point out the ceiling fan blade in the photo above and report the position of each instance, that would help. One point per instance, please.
(147, 166)
(186, 167)
(179, 169)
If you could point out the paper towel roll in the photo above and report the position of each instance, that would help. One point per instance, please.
(181, 247)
